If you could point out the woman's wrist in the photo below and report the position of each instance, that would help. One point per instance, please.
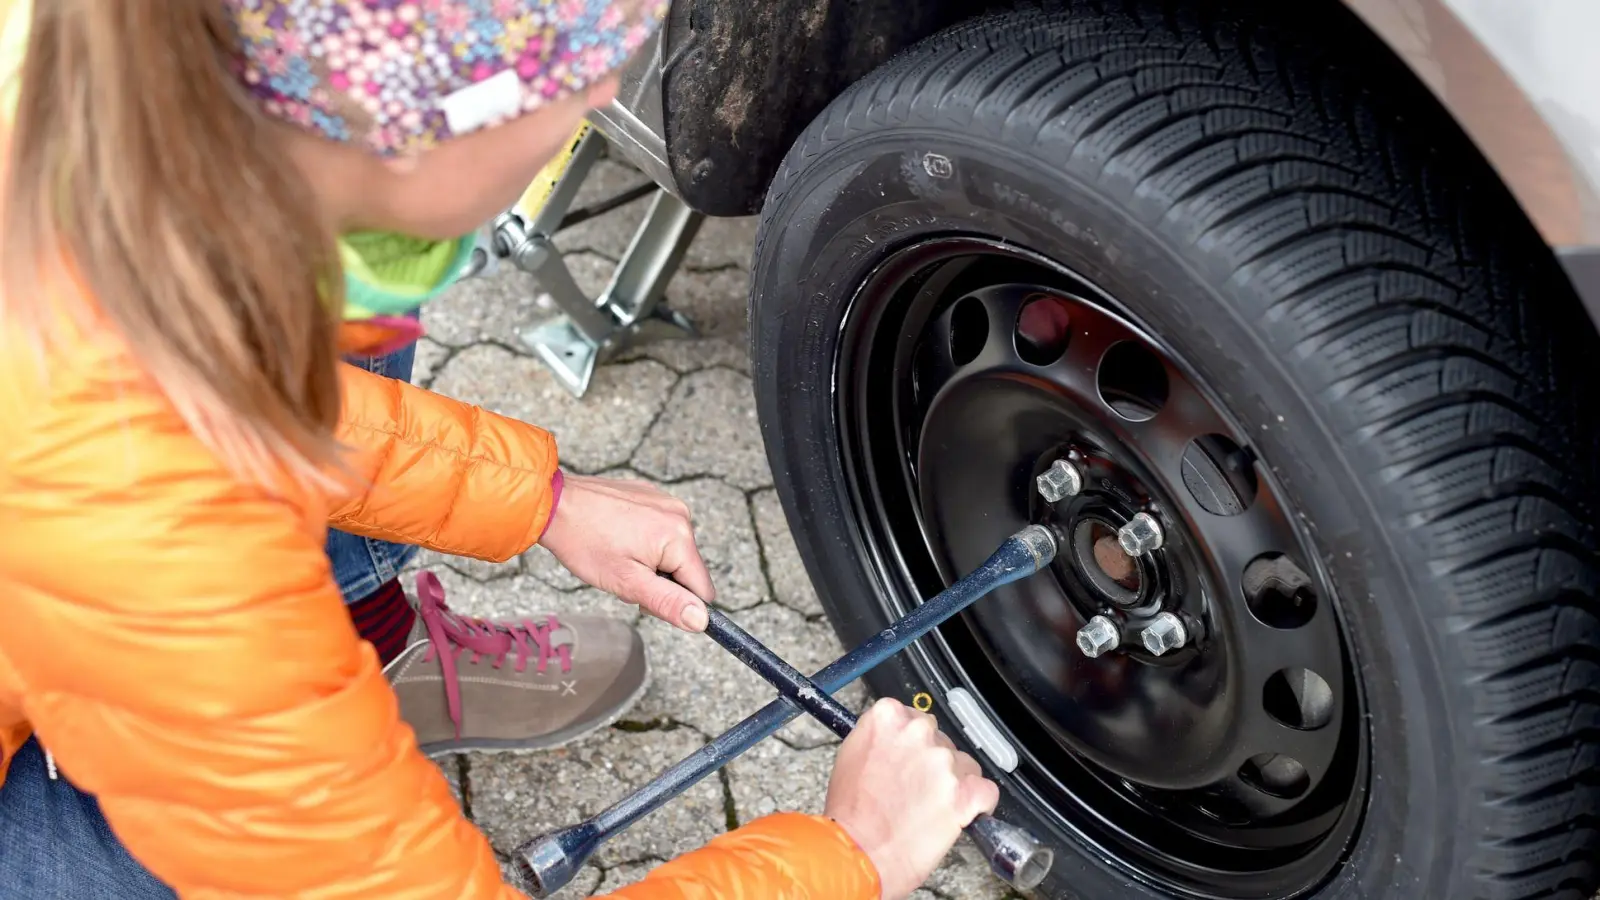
(557, 482)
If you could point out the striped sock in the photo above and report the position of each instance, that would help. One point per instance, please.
(384, 617)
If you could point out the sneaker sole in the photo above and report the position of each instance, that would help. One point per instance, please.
(555, 740)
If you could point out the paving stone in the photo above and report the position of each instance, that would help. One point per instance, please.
(477, 569)
(598, 431)
(619, 877)
(702, 685)
(484, 308)
(524, 595)
(685, 355)
(430, 353)
(518, 796)
(772, 777)
(723, 242)
(450, 767)
(543, 565)
(964, 874)
(790, 582)
(708, 428)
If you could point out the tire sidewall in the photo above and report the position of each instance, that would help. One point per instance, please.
(832, 218)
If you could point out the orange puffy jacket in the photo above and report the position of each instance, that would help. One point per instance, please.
(175, 638)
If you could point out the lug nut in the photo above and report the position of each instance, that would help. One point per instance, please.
(1060, 481)
(1099, 636)
(1141, 535)
(1165, 632)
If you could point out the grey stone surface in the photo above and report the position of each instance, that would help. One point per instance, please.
(713, 301)
(595, 432)
(450, 767)
(717, 303)
(965, 875)
(708, 428)
(790, 583)
(618, 877)
(723, 243)
(543, 565)
(523, 595)
(477, 569)
(430, 355)
(727, 541)
(517, 797)
(486, 308)
(698, 683)
(774, 777)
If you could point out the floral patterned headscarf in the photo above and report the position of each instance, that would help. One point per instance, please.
(399, 76)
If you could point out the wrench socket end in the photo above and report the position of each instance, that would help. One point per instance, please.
(547, 863)
(1015, 856)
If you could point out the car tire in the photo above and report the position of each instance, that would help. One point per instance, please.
(1293, 216)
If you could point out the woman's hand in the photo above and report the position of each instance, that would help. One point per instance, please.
(903, 792)
(620, 536)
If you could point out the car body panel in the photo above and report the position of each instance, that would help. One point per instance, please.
(1522, 78)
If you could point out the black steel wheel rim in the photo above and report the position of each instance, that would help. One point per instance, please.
(1233, 766)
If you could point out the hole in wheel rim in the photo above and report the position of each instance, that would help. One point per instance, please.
(1044, 325)
(1278, 592)
(1275, 775)
(1220, 475)
(1132, 381)
(1298, 698)
(969, 330)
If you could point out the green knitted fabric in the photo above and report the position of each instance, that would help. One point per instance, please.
(389, 274)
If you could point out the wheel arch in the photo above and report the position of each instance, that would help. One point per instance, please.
(723, 154)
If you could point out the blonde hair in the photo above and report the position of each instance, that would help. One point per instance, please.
(136, 167)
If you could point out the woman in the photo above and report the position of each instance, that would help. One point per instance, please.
(206, 204)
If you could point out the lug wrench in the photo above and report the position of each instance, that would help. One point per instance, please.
(549, 862)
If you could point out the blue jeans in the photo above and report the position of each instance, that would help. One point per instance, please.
(54, 841)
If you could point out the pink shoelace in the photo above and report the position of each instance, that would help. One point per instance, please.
(451, 634)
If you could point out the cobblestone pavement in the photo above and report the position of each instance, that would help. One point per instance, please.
(680, 414)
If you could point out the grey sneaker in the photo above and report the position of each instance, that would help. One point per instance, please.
(533, 684)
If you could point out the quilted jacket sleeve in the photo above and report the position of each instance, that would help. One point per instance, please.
(788, 856)
(440, 473)
(178, 644)
(183, 652)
